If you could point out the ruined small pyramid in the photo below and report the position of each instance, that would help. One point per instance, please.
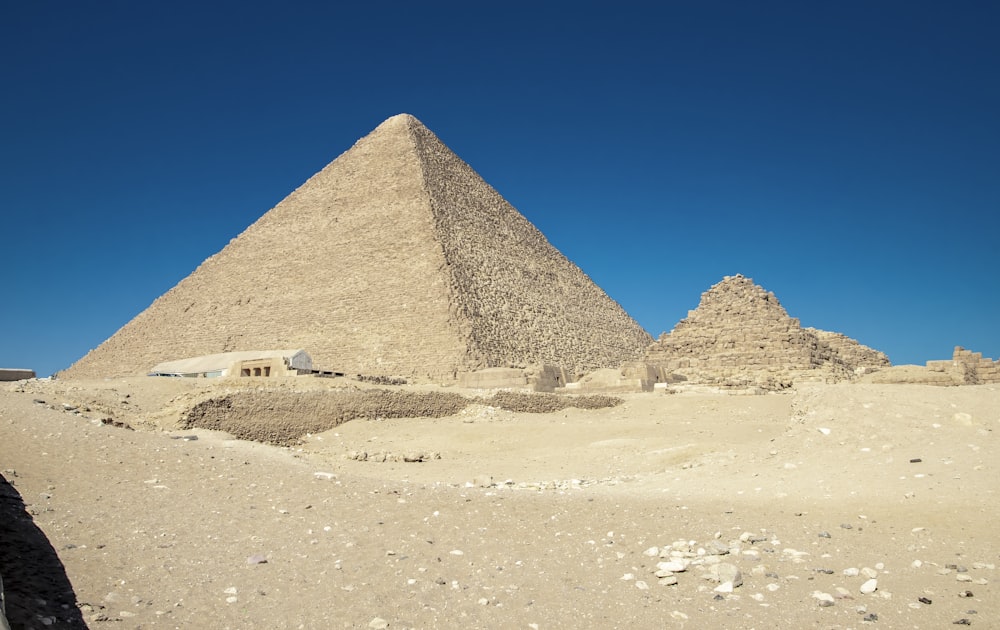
(741, 336)
(395, 259)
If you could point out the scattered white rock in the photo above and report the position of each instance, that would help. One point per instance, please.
(823, 599)
(869, 587)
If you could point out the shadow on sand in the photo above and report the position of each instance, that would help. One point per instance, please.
(37, 592)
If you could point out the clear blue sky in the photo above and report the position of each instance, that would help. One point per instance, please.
(845, 155)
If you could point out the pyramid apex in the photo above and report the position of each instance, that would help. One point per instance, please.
(402, 119)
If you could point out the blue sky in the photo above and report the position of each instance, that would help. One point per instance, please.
(844, 155)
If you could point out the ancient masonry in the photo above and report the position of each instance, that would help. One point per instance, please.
(968, 368)
(741, 336)
(395, 259)
(964, 368)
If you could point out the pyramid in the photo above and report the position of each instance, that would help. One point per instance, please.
(395, 259)
(740, 336)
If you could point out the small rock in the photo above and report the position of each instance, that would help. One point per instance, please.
(869, 587)
(725, 587)
(823, 599)
(871, 617)
(924, 600)
(674, 566)
(652, 552)
(824, 535)
(378, 623)
(257, 558)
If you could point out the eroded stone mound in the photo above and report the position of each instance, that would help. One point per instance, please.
(548, 403)
(284, 417)
(740, 336)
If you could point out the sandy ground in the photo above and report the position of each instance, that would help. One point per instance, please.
(526, 520)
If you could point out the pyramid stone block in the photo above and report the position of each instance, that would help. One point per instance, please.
(395, 259)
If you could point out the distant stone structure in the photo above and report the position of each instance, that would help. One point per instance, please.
(539, 378)
(964, 368)
(741, 337)
(239, 364)
(396, 259)
(15, 374)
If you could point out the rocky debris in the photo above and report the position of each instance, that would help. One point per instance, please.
(741, 337)
(750, 560)
(555, 484)
(381, 380)
(387, 456)
(118, 424)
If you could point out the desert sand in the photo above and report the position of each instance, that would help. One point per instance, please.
(115, 516)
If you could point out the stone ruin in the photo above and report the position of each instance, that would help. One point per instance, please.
(740, 337)
(964, 368)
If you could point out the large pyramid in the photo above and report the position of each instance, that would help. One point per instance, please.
(741, 336)
(395, 259)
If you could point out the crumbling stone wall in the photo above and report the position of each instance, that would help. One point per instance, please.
(396, 259)
(741, 336)
(968, 368)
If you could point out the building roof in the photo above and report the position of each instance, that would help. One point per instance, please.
(218, 362)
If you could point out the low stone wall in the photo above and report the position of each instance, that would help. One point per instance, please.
(9, 374)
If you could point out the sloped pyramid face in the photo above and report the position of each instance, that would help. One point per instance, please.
(395, 259)
(741, 335)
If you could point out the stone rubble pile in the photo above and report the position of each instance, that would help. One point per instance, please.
(388, 456)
